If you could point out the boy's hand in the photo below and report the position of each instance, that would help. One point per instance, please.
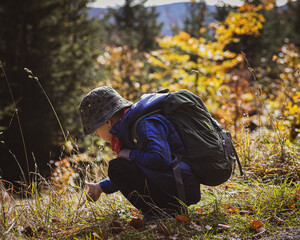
(93, 191)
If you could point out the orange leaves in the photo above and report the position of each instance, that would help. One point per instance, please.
(181, 54)
(233, 211)
(134, 211)
(126, 70)
(266, 4)
(288, 64)
(200, 210)
(257, 226)
(183, 219)
(63, 174)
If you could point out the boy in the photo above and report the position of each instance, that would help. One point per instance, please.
(143, 175)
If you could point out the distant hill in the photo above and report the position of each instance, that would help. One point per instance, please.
(169, 15)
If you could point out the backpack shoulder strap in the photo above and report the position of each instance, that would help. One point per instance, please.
(134, 127)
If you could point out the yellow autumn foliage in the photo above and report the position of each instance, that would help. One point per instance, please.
(288, 99)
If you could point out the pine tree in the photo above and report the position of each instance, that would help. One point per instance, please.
(222, 11)
(58, 42)
(195, 19)
(292, 20)
(135, 25)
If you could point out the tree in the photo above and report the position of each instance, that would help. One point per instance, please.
(132, 31)
(58, 42)
(134, 25)
(292, 21)
(195, 19)
(222, 11)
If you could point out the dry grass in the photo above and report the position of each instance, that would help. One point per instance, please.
(270, 193)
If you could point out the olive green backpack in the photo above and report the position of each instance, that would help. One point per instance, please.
(209, 148)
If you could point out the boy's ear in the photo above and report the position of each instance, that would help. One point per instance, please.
(109, 122)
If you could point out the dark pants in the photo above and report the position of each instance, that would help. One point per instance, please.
(140, 192)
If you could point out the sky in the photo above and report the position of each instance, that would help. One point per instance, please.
(114, 3)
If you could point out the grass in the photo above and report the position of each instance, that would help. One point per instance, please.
(60, 214)
(269, 193)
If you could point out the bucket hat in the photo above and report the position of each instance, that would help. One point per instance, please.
(98, 106)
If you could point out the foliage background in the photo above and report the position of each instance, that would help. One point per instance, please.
(244, 65)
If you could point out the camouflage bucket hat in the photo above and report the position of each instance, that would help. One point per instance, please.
(98, 106)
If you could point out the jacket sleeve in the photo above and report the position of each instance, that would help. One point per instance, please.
(155, 152)
(108, 186)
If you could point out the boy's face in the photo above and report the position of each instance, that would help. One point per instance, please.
(103, 131)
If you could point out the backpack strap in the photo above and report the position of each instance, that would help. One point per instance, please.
(228, 145)
(229, 149)
(175, 162)
(178, 178)
(134, 128)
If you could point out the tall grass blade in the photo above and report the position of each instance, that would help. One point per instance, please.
(31, 75)
(19, 123)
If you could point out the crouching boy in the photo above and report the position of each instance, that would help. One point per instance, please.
(144, 174)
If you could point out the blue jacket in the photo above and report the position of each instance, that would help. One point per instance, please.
(154, 158)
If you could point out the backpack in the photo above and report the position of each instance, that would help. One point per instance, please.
(209, 148)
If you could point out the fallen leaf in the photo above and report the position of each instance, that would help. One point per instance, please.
(255, 224)
(200, 210)
(138, 224)
(226, 186)
(258, 226)
(233, 211)
(183, 218)
(27, 231)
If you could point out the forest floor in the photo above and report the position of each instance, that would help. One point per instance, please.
(262, 204)
(238, 209)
